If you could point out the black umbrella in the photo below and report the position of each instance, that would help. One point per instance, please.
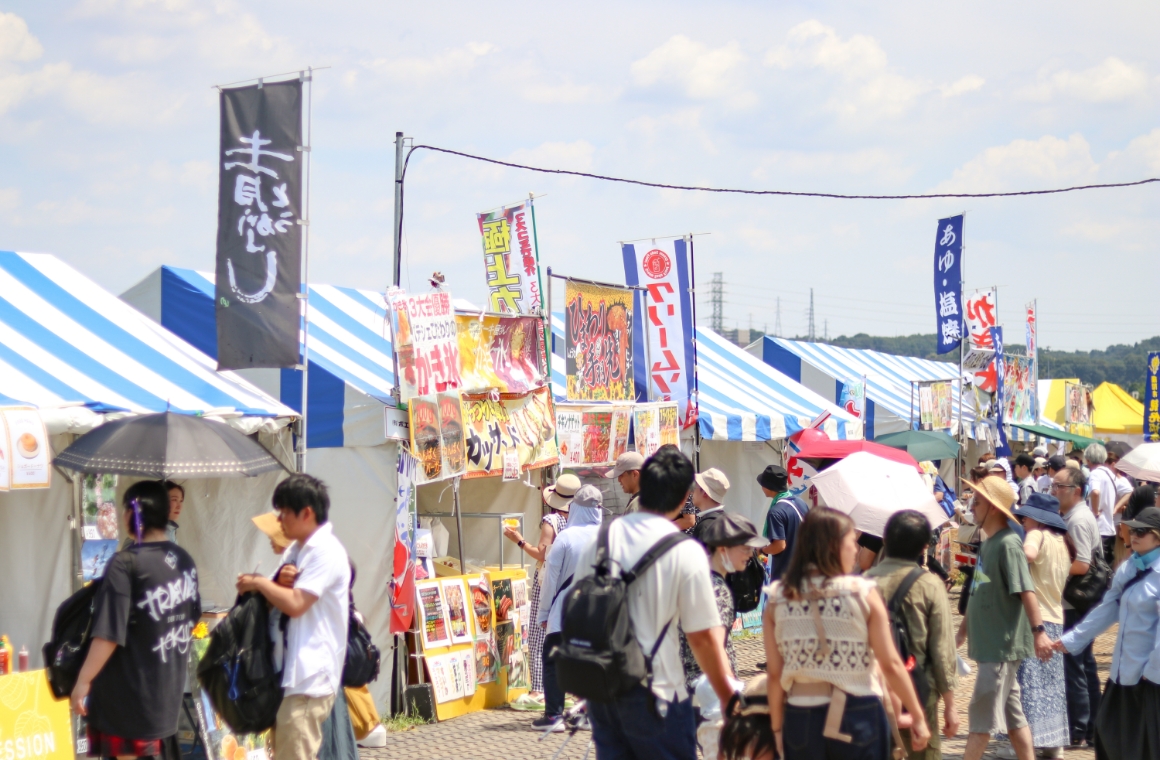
(168, 445)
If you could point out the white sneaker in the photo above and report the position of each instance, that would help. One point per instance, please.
(1007, 752)
(376, 738)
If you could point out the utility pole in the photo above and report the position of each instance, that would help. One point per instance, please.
(397, 249)
(777, 322)
(812, 334)
(826, 330)
(717, 320)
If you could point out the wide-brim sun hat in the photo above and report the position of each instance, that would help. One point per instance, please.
(559, 495)
(1042, 508)
(996, 491)
(268, 523)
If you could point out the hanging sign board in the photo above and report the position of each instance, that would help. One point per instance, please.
(948, 254)
(427, 344)
(655, 425)
(28, 454)
(1152, 398)
(501, 426)
(504, 353)
(598, 342)
(437, 436)
(593, 435)
(510, 259)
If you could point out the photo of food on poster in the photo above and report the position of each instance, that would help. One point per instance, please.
(451, 431)
(598, 342)
(458, 615)
(426, 440)
(99, 507)
(501, 593)
(433, 608)
(28, 452)
(501, 353)
(655, 425)
(95, 556)
(523, 424)
(480, 590)
(505, 640)
(486, 659)
(518, 670)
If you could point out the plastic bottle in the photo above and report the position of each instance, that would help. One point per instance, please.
(3, 661)
(6, 655)
(22, 660)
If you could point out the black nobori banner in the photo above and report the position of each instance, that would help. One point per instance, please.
(259, 243)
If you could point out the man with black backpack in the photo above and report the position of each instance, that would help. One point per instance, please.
(318, 610)
(619, 646)
(920, 615)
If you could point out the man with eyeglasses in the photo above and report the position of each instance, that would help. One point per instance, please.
(1083, 683)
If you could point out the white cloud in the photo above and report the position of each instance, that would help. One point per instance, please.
(701, 72)
(684, 122)
(1109, 82)
(566, 93)
(869, 88)
(576, 156)
(882, 165)
(1025, 164)
(16, 42)
(137, 48)
(453, 62)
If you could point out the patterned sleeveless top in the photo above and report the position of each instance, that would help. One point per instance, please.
(838, 608)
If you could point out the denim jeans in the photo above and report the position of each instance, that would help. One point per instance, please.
(864, 720)
(631, 728)
(553, 694)
(1082, 685)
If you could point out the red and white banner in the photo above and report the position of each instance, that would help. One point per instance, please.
(981, 315)
(427, 342)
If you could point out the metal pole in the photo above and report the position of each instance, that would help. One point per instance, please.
(647, 348)
(960, 461)
(307, 77)
(459, 525)
(696, 399)
(397, 249)
(912, 405)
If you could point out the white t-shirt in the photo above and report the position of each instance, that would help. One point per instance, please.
(1123, 488)
(1103, 481)
(316, 641)
(677, 588)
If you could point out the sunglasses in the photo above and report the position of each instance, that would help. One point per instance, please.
(1141, 532)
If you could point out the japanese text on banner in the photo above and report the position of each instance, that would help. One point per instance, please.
(598, 342)
(662, 268)
(510, 423)
(981, 317)
(511, 259)
(428, 344)
(505, 353)
(1152, 398)
(593, 435)
(948, 253)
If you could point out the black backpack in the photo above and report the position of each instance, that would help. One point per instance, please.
(72, 628)
(600, 658)
(362, 656)
(746, 585)
(901, 632)
(237, 670)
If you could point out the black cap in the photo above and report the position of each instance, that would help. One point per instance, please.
(774, 478)
(732, 530)
(1057, 462)
(1149, 517)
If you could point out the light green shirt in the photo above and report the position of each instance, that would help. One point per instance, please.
(997, 625)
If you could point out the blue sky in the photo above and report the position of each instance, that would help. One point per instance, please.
(108, 138)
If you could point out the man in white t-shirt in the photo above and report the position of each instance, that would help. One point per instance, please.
(658, 722)
(1102, 495)
(318, 606)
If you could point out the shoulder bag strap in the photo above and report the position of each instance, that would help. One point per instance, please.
(567, 582)
(601, 565)
(904, 588)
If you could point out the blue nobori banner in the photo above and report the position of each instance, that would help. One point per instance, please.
(948, 255)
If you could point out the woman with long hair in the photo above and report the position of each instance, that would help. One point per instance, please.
(828, 645)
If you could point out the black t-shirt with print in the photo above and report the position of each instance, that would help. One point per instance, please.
(148, 604)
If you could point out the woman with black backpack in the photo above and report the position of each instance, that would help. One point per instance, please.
(131, 684)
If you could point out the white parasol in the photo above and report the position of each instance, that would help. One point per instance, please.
(1142, 462)
(870, 489)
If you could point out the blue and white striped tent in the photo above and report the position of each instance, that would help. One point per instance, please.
(825, 368)
(67, 342)
(741, 399)
(350, 357)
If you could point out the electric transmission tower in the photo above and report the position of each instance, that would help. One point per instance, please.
(717, 321)
(777, 322)
(813, 335)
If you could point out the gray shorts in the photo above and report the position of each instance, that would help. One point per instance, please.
(995, 704)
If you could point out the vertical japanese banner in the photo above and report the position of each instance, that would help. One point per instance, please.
(1152, 398)
(981, 316)
(403, 570)
(598, 342)
(1033, 355)
(662, 268)
(948, 254)
(259, 240)
(1000, 366)
(427, 343)
(511, 260)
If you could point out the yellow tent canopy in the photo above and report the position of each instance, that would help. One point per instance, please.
(1053, 399)
(1116, 411)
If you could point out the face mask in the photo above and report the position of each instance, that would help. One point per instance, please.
(727, 562)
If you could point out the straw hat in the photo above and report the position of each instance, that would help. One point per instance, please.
(559, 496)
(996, 491)
(269, 524)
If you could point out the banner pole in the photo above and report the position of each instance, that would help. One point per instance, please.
(960, 461)
(307, 77)
(696, 400)
(396, 268)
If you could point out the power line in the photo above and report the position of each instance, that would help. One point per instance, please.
(796, 193)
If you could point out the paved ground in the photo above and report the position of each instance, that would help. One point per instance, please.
(505, 733)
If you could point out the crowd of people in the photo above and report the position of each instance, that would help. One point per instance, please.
(861, 650)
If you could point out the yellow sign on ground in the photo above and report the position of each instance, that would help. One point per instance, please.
(34, 725)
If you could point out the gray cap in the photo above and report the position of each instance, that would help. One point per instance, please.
(588, 496)
(731, 530)
(626, 462)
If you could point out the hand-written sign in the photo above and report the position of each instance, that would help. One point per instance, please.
(598, 342)
(427, 344)
(497, 424)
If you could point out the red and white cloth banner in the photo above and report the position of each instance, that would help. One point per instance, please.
(981, 315)
(427, 342)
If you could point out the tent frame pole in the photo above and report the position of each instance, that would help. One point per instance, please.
(308, 78)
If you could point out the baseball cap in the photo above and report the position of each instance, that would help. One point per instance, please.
(626, 462)
(1149, 517)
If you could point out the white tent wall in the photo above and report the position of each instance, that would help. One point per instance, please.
(35, 561)
(742, 462)
(481, 541)
(362, 482)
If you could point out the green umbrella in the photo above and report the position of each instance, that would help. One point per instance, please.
(923, 445)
